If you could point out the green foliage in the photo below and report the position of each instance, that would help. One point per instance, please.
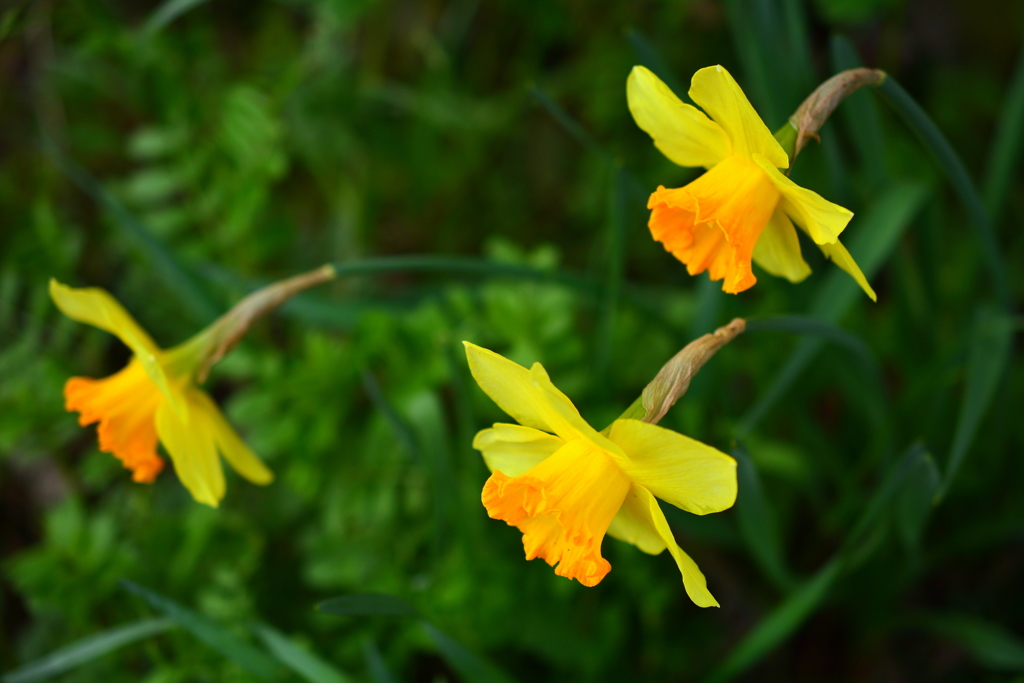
(473, 171)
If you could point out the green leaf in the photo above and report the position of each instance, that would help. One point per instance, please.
(87, 649)
(366, 605)
(470, 666)
(787, 617)
(990, 644)
(298, 659)
(1006, 146)
(379, 671)
(213, 634)
(758, 522)
(948, 160)
(986, 364)
(780, 623)
(166, 13)
(876, 235)
(815, 327)
(917, 499)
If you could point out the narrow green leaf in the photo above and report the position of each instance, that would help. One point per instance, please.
(752, 54)
(874, 515)
(876, 235)
(429, 425)
(472, 667)
(213, 634)
(915, 502)
(366, 605)
(87, 649)
(785, 619)
(588, 141)
(871, 240)
(1005, 150)
(990, 644)
(948, 160)
(166, 13)
(815, 327)
(298, 659)
(391, 416)
(986, 364)
(379, 671)
(757, 521)
(860, 113)
(780, 623)
(178, 279)
(574, 129)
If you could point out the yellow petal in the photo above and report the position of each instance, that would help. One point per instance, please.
(193, 450)
(841, 257)
(644, 507)
(531, 398)
(818, 217)
(679, 470)
(636, 528)
(235, 451)
(513, 449)
(96, 307)
(717, 93)
(682, 132)
(778, 249)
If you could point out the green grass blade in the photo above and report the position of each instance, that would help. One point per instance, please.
(194, 299)
(915, 502)
(990, 644)
(877, 234)
(815, 327)
(860, 111)
(757, 521)
(298, 659)
(752, 55)
(213, 634)
(779, 624)
(470, 666)
(367, 605)
(166, 13)
(379, 671)
(785, 619)
(575, 130)
(1006, 145)
(986, 364)
(948, 160)
(398, 426)
(87, 649)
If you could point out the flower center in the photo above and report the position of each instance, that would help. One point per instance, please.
(714, 222)
(563, 506)
(125, 406)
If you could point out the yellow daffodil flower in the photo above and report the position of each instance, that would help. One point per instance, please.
(743, 208)
(157, 397)
(565, 485)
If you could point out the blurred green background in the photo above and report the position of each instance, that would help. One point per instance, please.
(180, 154)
